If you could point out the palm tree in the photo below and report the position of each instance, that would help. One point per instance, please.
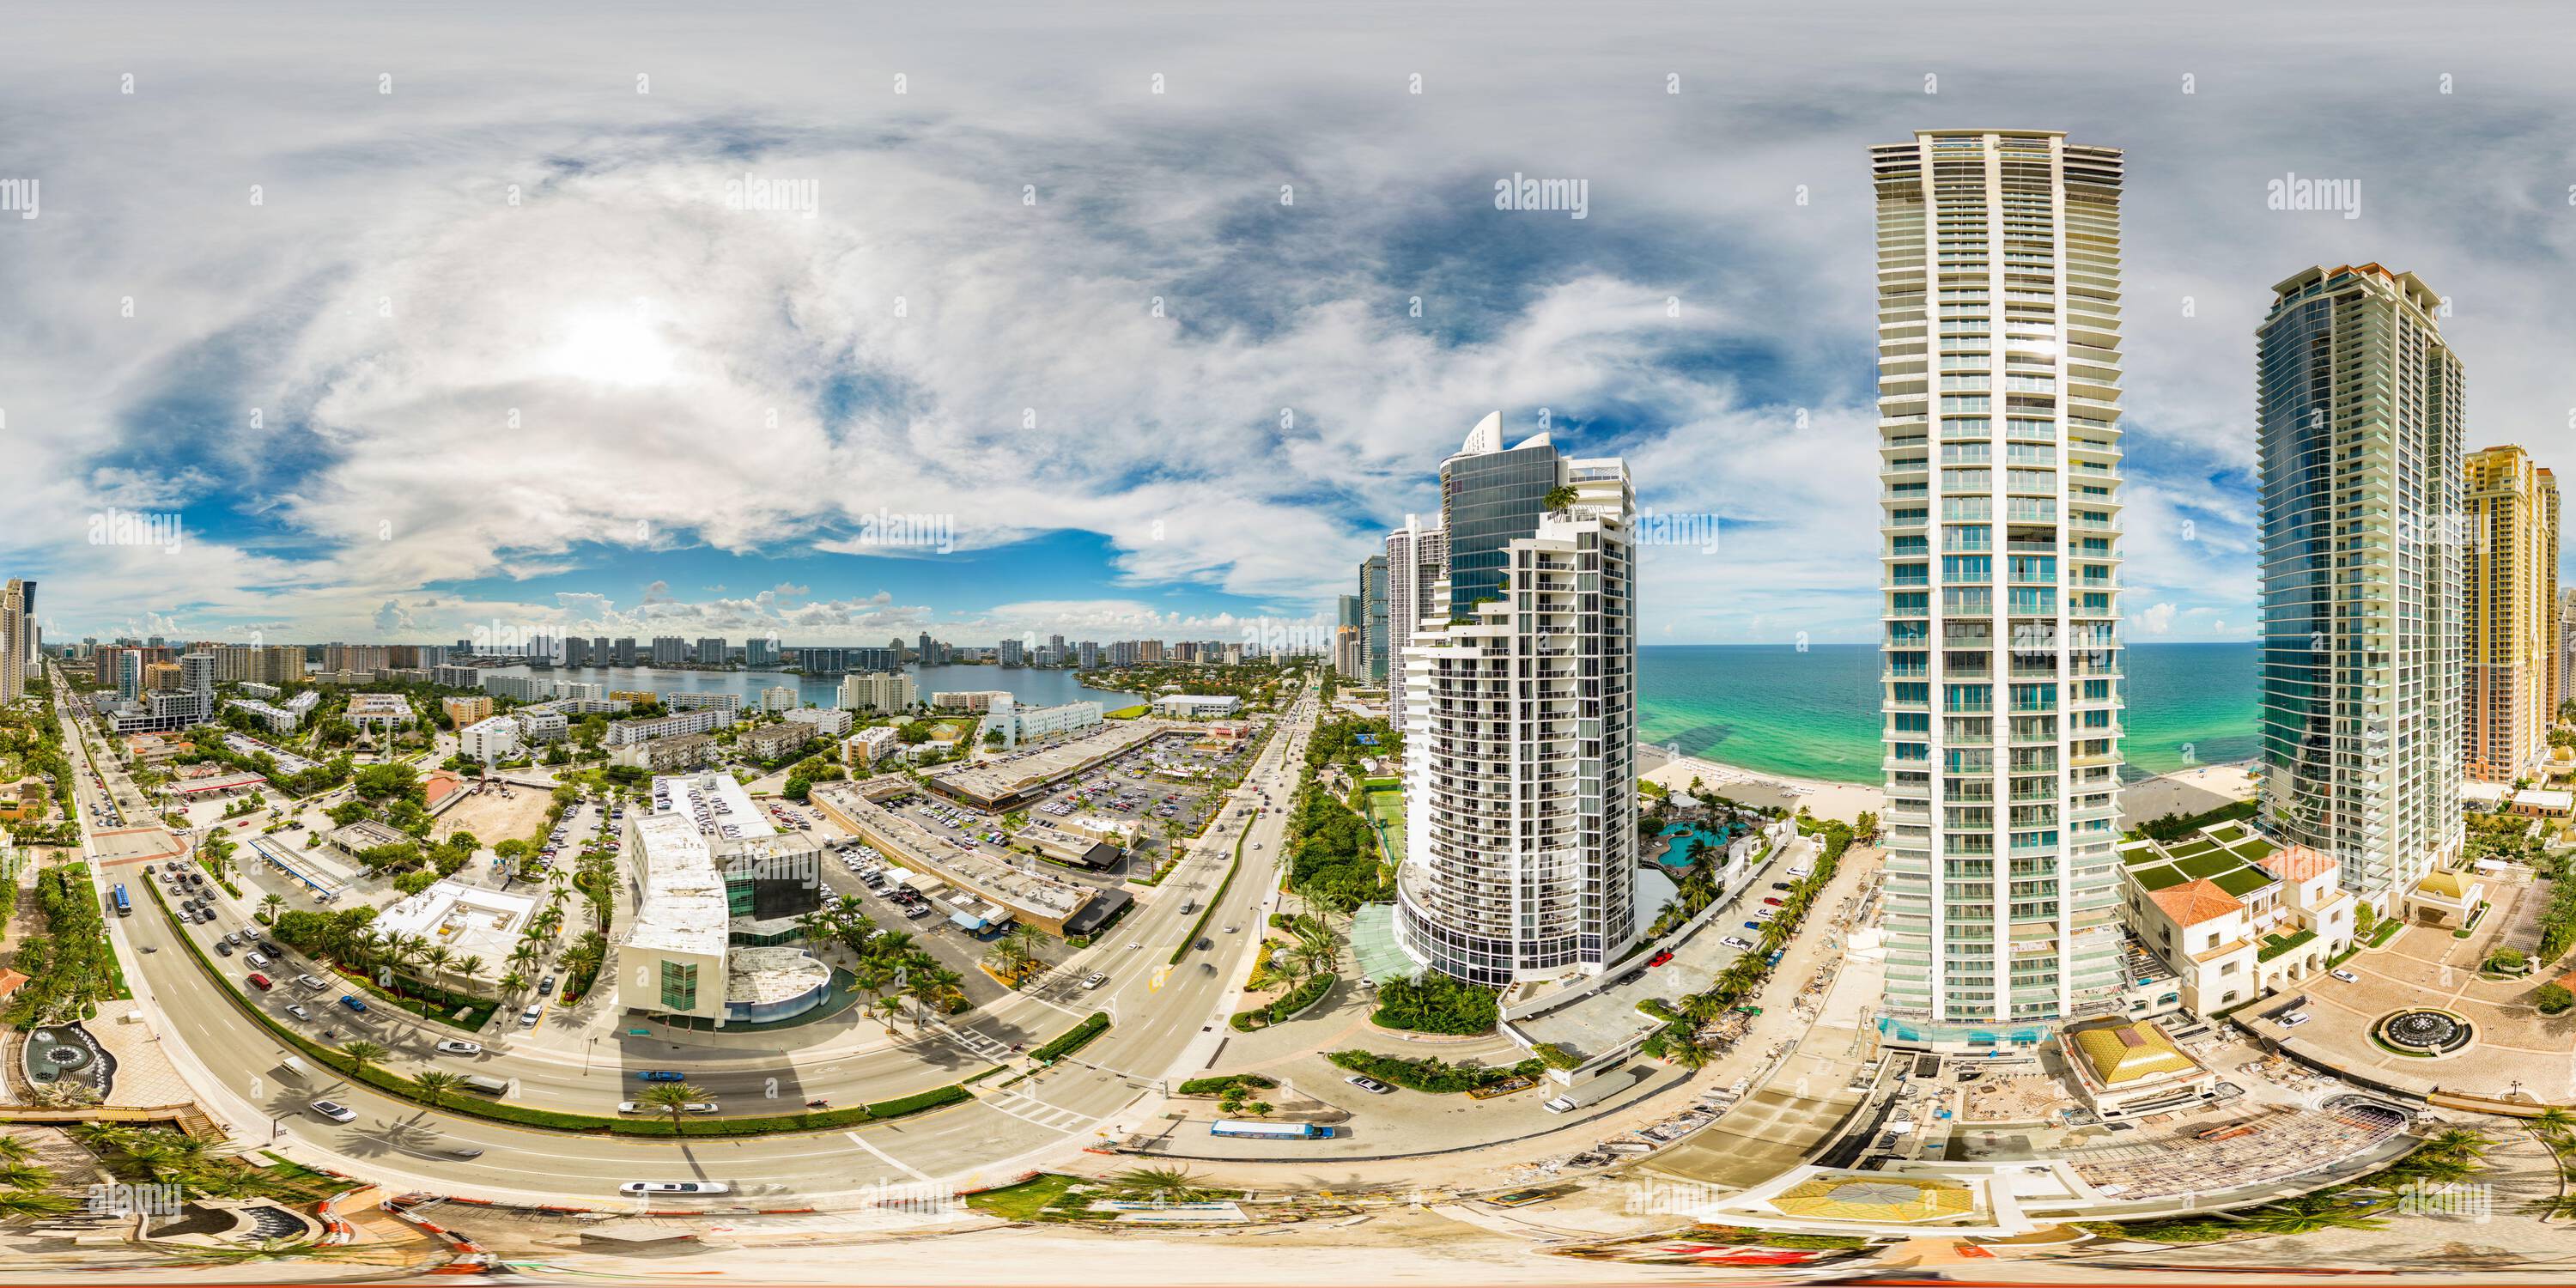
(437, 957)
(2307, 1216)
(1165, 1184)
(363, 1053)
(14, 1150)
(436, 1085)
(672, 1098)
(512, 981)
(35, 1203)
(25, 1176)
(469, 966)
(1689, 1053)
(271, 904)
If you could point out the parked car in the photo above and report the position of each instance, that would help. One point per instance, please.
(1733, 941)
(308, 981)
(528, 1017)
(1752, 925)
(1369, 1084)
(675, 1187)
(1660, 958)
(2344, 975)
(1782, 885)
(260, 982)
(300, 1013)
(223, 949)
(354, 1002)
(1773, 902)
(2295, 1019)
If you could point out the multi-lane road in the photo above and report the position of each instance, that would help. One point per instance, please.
(1166, 1025)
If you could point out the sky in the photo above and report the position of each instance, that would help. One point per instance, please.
(848, 322)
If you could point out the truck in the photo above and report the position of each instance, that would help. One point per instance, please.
(1600, 1087)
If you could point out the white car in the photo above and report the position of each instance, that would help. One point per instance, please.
(1735, 941)
(2344, 975)
(453, 1047)
(1095, 979)
(334, 1110)
(692, 1107)
(675, 1187)
(2293, 1021)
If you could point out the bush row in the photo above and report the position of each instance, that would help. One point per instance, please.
(1091, 1027)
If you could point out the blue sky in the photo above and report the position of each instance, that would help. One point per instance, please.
(851, 324)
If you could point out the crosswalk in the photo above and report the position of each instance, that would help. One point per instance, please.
(978, 1044)
(1028, 1109)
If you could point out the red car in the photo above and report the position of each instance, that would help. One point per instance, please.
(1773, 902)
(260, 982)
(1660, 958)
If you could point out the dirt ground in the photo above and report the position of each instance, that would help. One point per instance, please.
(491, 818)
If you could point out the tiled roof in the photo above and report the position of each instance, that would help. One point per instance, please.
(2194, 902)
(2296, 863)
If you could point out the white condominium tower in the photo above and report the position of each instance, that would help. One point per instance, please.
(2511, 692)
(15, 627)
(2358, 416)
(1521, 723)
(1417, 557)
(1999, 436)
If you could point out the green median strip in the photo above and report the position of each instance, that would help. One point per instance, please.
(1091, 1027)
(1209, 913)
(472, 1106)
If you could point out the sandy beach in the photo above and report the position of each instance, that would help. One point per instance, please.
(2187, 791)
(1844, 801)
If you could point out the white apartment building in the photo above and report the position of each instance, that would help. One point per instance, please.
(518, 688)
(702, 701)
(971, 700)
(1417, 558)
(831, 723)
(645, 728)
(872, 746)
(778, 697)
(490, 741)
(538, 726)
(1521, 722)
(1017, 722)
(1999, 439)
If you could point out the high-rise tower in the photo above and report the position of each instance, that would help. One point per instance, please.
(2511, 670)
(1520, 731)
(2359, 417)
(1999, 437)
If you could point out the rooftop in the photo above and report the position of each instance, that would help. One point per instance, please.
(2195, 902)
(2118, 1054)
(1019, 771)
(713, 803)
(682, 908)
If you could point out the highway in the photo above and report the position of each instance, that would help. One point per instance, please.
(1164, 1029)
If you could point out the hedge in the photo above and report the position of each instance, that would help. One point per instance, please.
(473, 1106)
(1433, 1075)
(1216, 1086)
(1091, 1027)
(1209, 912)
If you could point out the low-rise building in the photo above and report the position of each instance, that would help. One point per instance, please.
(277, 719)
(870, 747)
(491, 740)
(465, 711)
(645, 728)
(2131, 1069)
(663, 755)
(1018, 724)
(518, 688)
(829, 722)
(768, 741)
(702, 701)
(541, 725)
(2234, 915)
(382, 710)
(364, 835)
(974, 700)
(1196, 706)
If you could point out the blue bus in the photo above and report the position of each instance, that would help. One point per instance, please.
(1270, 1131)
(124, 906)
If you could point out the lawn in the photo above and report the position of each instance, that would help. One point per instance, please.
(2207, 864)
(2243, 881)
(1026, 1201)
(2159, 877)
(1386, 809)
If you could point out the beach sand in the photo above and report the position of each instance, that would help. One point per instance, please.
(1844, 801)
(2188, 791)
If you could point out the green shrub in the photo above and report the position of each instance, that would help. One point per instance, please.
(1432, 1074)
(1218, 1084)
(1435, 1003)
(1091, 1027)
(918, 1101)
(2553, 999)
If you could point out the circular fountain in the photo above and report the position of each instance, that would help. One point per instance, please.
(2423, 1031)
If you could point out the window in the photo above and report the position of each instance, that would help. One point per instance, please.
(679, 986)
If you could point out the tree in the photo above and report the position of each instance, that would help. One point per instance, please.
(363, 1053)
(2307, 1216)
(2552, 999)
(270, 904)
(436, 1085)
(672, 1098)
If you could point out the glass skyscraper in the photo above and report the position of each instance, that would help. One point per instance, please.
(1999, 441)
(1489, 495)
(2359, 424)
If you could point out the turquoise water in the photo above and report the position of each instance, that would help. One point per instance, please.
(1677, 839)
(1814, 714)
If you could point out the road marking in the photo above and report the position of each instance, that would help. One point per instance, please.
(888, 1159)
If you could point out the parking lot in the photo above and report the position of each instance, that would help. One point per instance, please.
(1160, 785)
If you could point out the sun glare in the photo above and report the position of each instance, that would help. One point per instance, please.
(613, 348)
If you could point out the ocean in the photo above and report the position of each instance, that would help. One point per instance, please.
(1814, 714)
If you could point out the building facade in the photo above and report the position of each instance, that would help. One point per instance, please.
(2358, 414)
(1520, 771)
(2510, 693)
(1417, 559)
(1999, 441)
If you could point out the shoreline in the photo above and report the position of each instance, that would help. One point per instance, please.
(2187, 790)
